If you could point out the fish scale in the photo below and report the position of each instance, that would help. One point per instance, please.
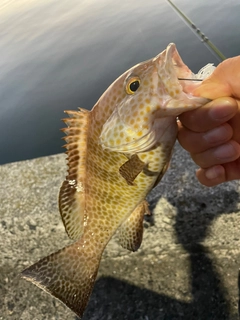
(117, 153)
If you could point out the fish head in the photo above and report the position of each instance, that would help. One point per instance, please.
(153, 98)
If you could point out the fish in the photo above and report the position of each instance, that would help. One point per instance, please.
(116, 154)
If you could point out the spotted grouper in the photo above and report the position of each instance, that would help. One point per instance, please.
(117, 153)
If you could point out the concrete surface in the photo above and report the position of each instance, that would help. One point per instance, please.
(187, 267)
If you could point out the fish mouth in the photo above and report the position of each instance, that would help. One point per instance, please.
(171, 67)
(181, 74)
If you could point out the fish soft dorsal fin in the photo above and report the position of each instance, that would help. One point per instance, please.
(131, 230)
(72, 192)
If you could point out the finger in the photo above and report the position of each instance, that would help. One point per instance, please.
(210, 115)
(212, 176)
(195, 142)
(224, 153)
(235, 124)
(218, 174)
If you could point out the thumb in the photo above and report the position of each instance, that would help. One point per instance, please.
(212, 88)
(224, 81)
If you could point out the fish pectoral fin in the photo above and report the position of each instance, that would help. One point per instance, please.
(68, 275)
(131, 231)
(72, 192)
(131, 169)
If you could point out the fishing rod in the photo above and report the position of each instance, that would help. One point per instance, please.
(201, 35)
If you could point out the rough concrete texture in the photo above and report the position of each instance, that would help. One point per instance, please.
(186, 268)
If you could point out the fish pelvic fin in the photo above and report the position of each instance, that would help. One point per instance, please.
(131, 231)
(68, 275)
(72, 192)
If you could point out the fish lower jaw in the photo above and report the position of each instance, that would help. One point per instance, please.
(139, 145)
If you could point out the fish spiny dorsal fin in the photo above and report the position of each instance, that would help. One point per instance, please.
(72, 192)
(131, 231)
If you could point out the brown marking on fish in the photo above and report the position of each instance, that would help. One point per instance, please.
(131, 169)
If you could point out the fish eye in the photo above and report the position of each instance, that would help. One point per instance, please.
(132, 85)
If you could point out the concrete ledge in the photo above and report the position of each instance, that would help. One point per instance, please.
(187, 267)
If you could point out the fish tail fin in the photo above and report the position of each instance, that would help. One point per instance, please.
(68, 274)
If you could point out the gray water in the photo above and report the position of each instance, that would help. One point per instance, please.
(59, 55)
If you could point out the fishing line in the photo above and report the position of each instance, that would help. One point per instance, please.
(218, 54)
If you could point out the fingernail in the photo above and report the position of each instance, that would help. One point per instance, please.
(214, 172)
(225, 151)
(221, 112)
(219, 134)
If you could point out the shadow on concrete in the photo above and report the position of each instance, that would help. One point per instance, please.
(209, 295)
(115, 299)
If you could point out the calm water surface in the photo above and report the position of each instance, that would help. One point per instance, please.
(58, 55)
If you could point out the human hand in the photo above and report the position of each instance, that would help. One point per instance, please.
(211, 134)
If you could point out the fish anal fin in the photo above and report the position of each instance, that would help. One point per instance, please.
(72, 192)
(131, 231)
(131, 169)
(68, 275)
